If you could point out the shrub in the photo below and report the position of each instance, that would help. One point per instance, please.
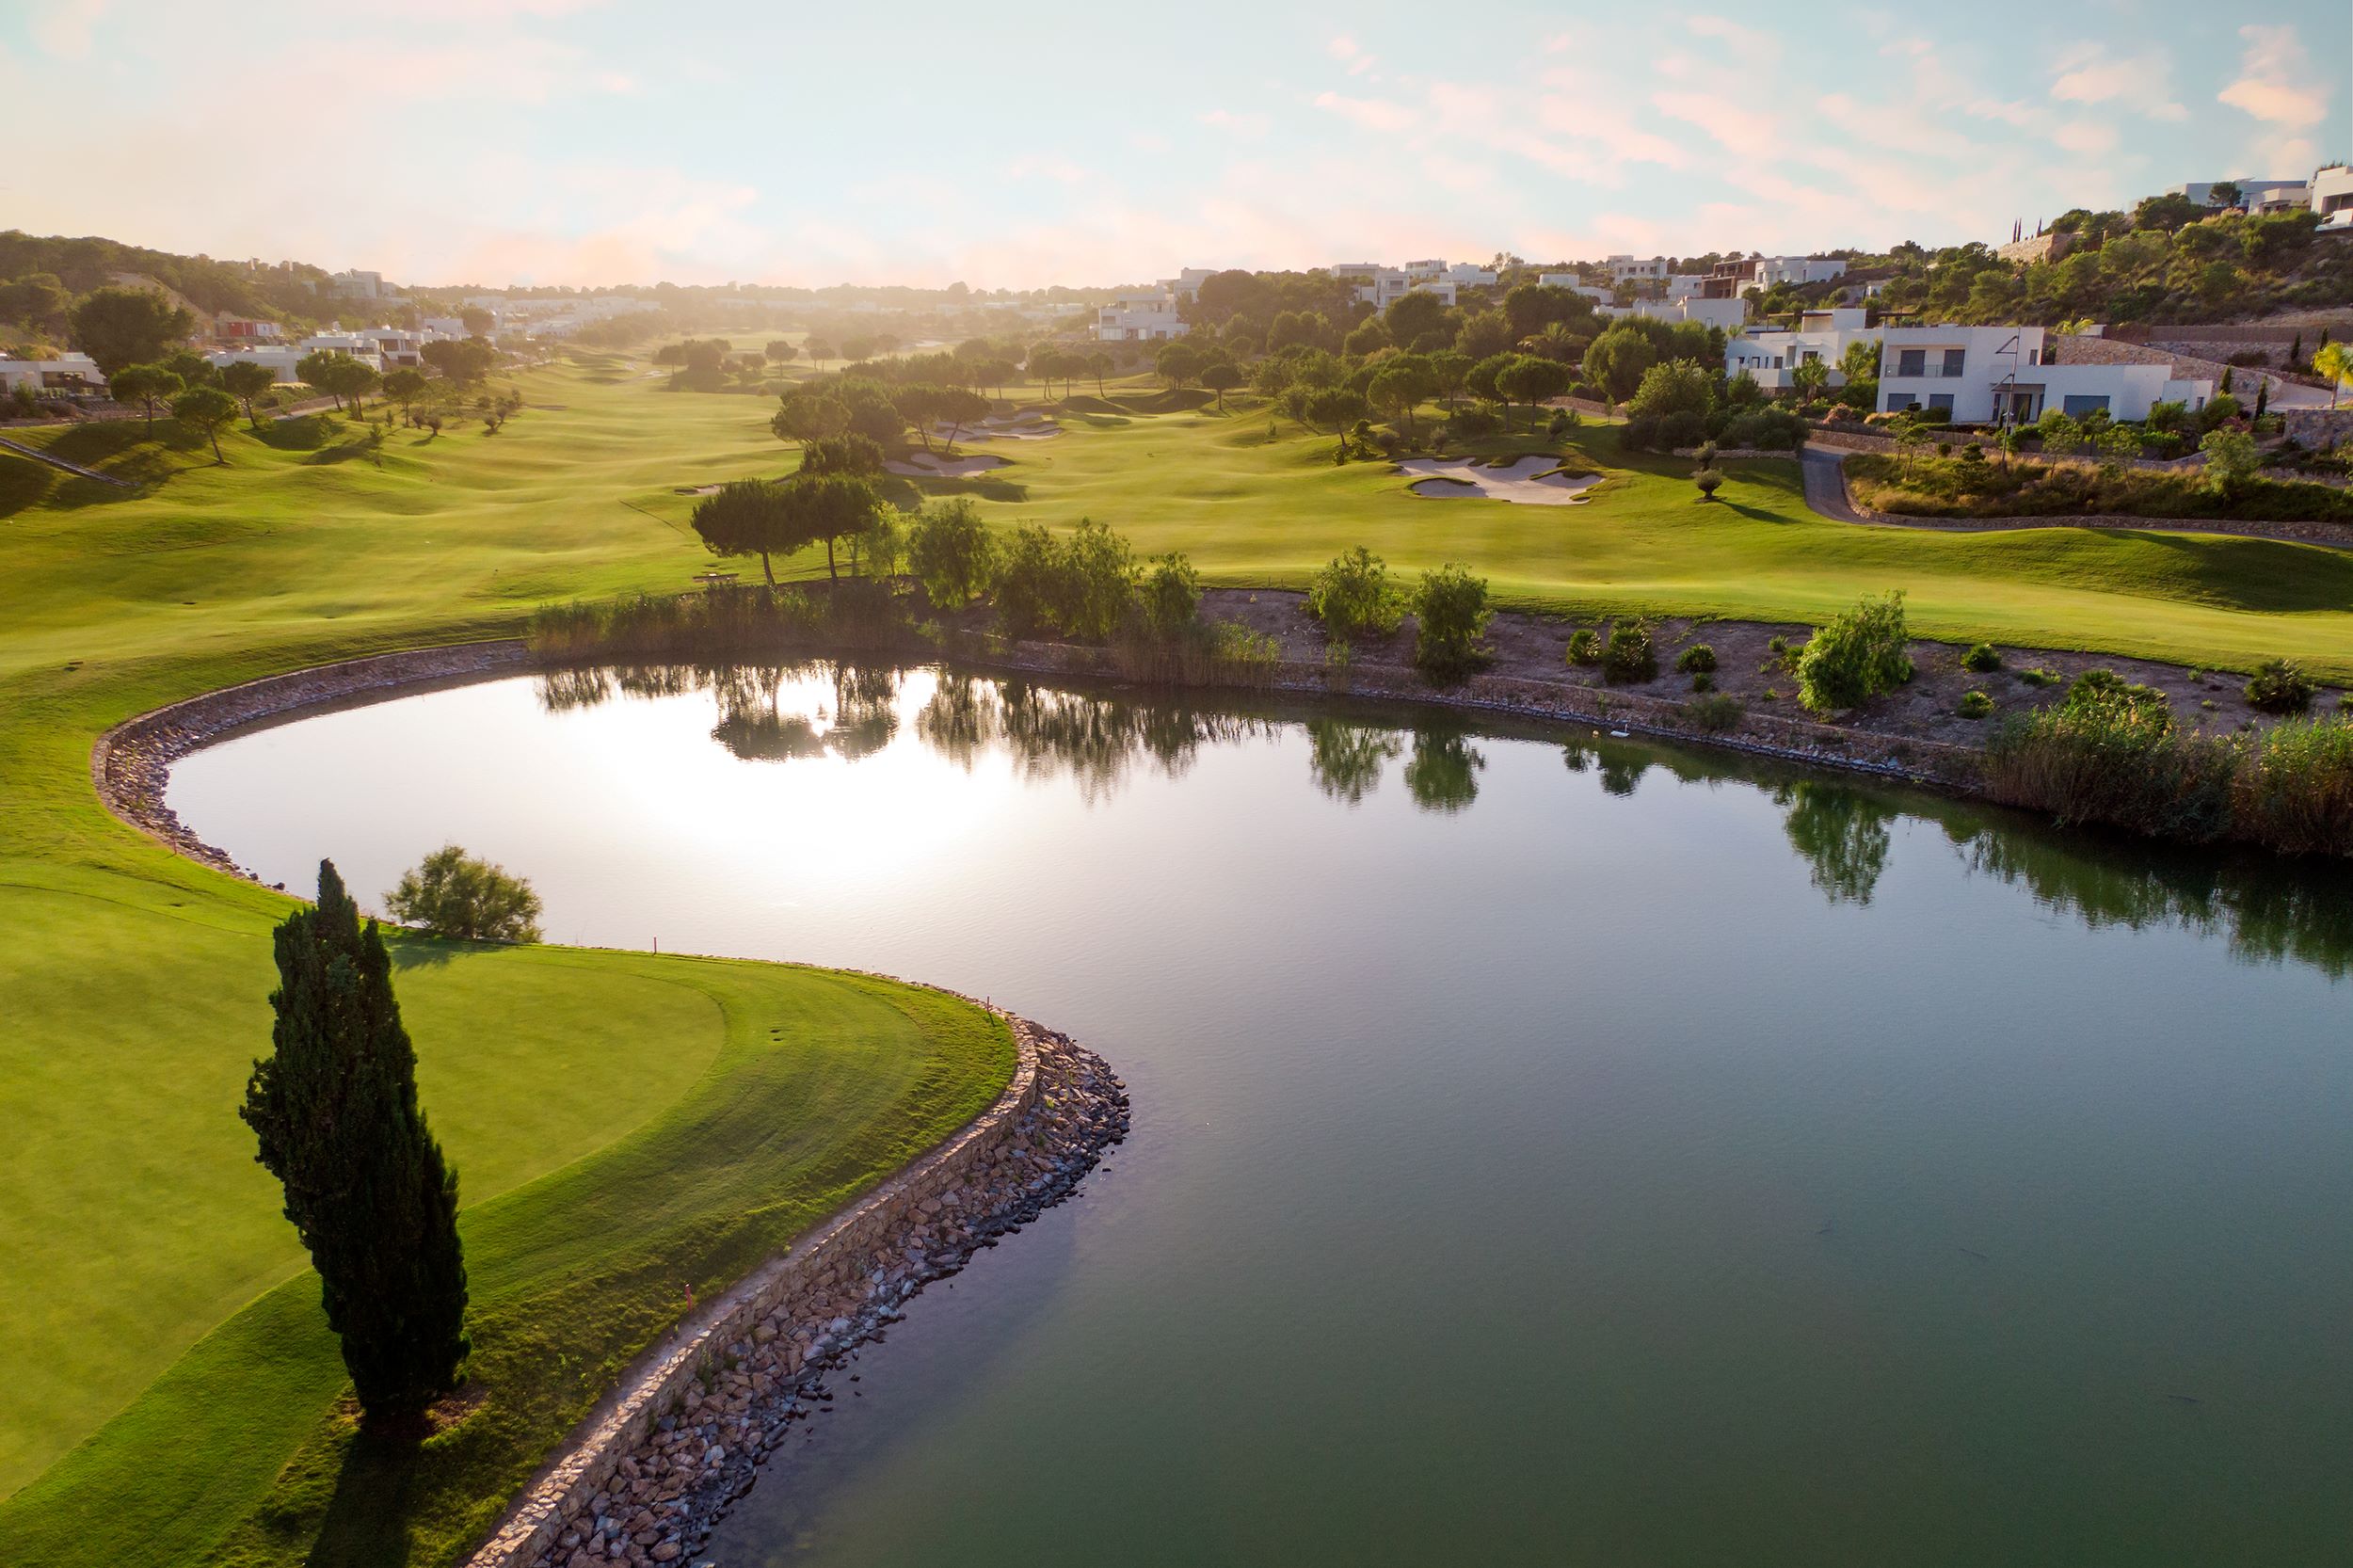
(1353, 596)
(1095, 583)
(1715, 714)
(1709, 481)
(1025, 585)
(2280, 687)
(1629, 655)
(450, 894)
(1768, 429)
(1469, 424)
(1703, 682)
(1858, 656)
(950, 552)
(2041, 675)
(1975, 705)
(2104, 689)
(1450, 612)
(1981, 660)
(1698, 658)
(1585, 646)
(1171, 596)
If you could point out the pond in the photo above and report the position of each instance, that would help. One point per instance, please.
(1549, 1148)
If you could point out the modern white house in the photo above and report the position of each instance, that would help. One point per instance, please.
(2255, 196)
(1575, 285)
(1972, 375)
(247, 330)
(359, 346)
(1771, 357)
(359, 285)
(1188, 282)
(2332, 196)
(1639, 269)
(280, 360)
(1730, 315)
(1143, 316)
(71, 372)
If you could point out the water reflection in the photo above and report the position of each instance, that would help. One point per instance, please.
(1840, 833)
(1347, 758)
(1443, 773)
(2270, 910)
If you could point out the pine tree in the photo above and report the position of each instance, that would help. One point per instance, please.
(335, 1110)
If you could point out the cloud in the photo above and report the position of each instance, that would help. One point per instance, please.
(1747, 131)
(2088, 74)
(1371, 114)
(2272, 85)
(1245, 124)
(2086, 135)
(2277, 88)
(1748, 40)
(1345, 49)
(63, 28)
(1046, 165)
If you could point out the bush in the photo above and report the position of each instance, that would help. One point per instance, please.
(1768, 429)
(2280, 687)
(1981, 660)
(1858, 656)
(1975, 705)
(1629, 655)
(951, 553)
(2041, 675)
(1025, 584)
(1715, 714)
(1450, 612)
(1585, 646)
(452, 894)
(1171, 596)
(1698, 658)
(1470, 425)
(2104, 689)
(1353, 596)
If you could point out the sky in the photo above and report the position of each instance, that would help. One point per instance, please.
(592, 142)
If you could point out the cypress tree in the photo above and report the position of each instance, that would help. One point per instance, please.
(335, 1110)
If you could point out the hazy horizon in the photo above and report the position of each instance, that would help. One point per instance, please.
(578, 143)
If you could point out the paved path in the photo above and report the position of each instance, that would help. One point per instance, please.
(1826, 494)
(38, 455)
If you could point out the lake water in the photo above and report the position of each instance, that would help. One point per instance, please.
(1548, 1149)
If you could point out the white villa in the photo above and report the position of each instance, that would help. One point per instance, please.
(1974, 374)
(281, 361)
(66, 373)
(2332, 196)
(2255, 196)
(1143, 316)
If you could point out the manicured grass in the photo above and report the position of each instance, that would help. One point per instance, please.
(624, 1125)
(158, 1312)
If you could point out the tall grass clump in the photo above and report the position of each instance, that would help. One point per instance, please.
(2111, 754)
(2296, 789)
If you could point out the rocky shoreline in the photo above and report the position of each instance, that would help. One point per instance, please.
(131, 764)
(691, 1429)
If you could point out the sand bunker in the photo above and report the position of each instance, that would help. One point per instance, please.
(1028, 426)
(1526, 481)
(931, 465)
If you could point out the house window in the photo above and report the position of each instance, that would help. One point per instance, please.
(1941, 402)
(1955, 361)
(2080, 403)
(1813, 355)
(1912, 361)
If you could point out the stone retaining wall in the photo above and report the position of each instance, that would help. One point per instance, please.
(132, 762)
(661, 1459)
